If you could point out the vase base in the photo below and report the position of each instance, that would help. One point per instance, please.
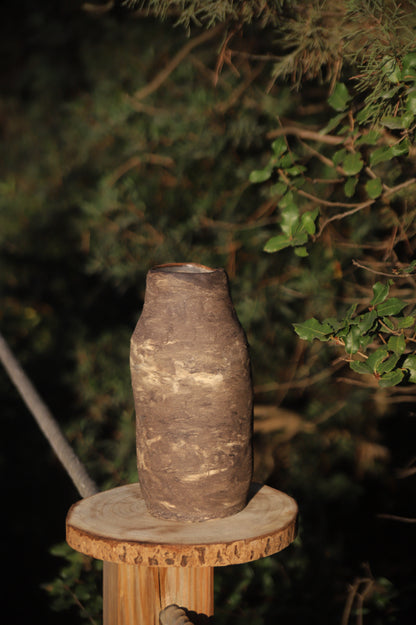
(192, 516)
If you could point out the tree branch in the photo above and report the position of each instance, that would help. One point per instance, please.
(136, 162)
(238, 92)
(357, 207)
(98, 9)
(160, 78)
(395, 517)
(46, 422)
(305, 133)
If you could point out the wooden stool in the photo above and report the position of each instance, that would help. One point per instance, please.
(150, 563)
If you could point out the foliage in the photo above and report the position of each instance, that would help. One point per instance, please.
(278, 144)
(79, 572)
(188, 12)
(383, 329)
(353, 169)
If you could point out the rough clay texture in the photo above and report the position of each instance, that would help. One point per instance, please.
(193, 396)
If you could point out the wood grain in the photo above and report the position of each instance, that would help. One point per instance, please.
(115, 526)
(136, 594)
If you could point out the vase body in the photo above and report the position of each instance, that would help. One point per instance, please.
(193, 396)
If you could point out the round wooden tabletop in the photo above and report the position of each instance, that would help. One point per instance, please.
(115, 526)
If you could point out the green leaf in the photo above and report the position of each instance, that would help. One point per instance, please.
(380, 292)
(277, 243)
(370, 138)
(380, 155)
(388, 365)
(410, 365)
(408, 118)
(394, 123)
(391, 379)
(400, 122)
(367, 321)
(298, 182)
(286, 200)
(391, 306)
(313, 329)
(401, 148)
(352, 340)
(350, 185)
(352, 164)
(391, 69)
(308, 220)
(386, 153)
(279, 146)
(411, 102)
(342, 332)
(340, 97)
(278, 189)
(260, 175)
(287, 160)
(290, 219)
(300, 239)
(360, 367)
(333, 123)
(389, 324)
(339, 156)
(374, 188)
(351, 311)
(302, 252)
(335, 324)
(376, 358)
(409, 66)
(397, 344)
(409, 75)
(405, 322)
(295, 170)
(365, 341)
(410, 268)
(60, 550)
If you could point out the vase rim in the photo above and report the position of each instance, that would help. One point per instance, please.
(183, 268)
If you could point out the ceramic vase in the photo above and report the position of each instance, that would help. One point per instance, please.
(192, 391)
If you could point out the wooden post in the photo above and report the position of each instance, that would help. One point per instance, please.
(137, 594)
(150, 563)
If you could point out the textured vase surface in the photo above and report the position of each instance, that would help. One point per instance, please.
(193, 396)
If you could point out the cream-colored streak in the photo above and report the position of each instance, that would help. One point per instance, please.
(194, 477)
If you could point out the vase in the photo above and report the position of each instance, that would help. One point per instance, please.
(193, 397)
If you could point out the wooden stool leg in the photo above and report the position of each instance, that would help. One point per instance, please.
(135, 595)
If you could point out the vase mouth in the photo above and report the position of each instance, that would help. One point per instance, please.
(183, 268)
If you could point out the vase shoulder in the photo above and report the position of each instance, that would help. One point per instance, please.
(193, 396)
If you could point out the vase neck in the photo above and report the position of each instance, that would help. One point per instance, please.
(188, 289)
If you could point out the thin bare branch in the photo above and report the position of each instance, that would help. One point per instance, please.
(305, 133)
(137, 161)
(46, 422)
(321, 201)
(379, 273)
(98, 9)
(395, 517)
(238, 92)
(403, 473)
(163, 75)
(302, 383)
(356, 208)
(350, 602)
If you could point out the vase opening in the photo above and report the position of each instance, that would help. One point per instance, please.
(183, 268)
